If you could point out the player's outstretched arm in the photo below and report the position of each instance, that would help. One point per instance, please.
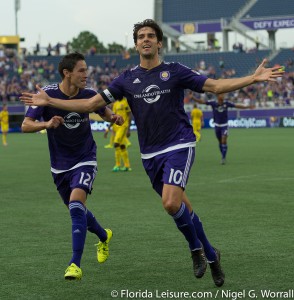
(39, 99)
(192, 97)
(82, 105)
(227, 85)
(243, 106)
(110, 116)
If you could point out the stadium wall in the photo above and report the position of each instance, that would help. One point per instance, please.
(257, 118)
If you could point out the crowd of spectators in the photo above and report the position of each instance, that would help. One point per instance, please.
(17, 75)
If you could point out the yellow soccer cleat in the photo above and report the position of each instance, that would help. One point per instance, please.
(73, 272)
(103, 247)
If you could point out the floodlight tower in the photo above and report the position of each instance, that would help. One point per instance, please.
(17, 8)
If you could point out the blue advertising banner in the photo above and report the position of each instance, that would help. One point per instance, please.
(269, 24)
(257, 24)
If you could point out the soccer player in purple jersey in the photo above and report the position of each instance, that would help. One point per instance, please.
(220, 118)
(73, 155)
(155, 93)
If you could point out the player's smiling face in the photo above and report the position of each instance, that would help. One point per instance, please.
(147, 43)
(79, 74)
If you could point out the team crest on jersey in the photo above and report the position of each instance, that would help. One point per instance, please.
(164, 75)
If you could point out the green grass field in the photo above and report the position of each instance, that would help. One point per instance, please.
(246, 207)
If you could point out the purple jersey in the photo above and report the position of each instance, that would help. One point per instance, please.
(156, 100)
(71, 145)
(220, 112)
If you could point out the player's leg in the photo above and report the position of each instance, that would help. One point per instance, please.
(168, 174)
(219, 136)
(175, 177)
(211, 253)
(82, 180)
(125, 155)
(77, 212)
(111, 140)
(208, 249)
(4, 136)
(224, 145)
(196, 130)
(128, 142)
(117, 150)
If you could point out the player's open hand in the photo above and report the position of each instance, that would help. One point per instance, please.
(267, 74)
(39, 99)
(117, 119)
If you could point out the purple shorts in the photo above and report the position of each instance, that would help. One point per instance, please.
(170, 168)
(82, 178)
(221, 131)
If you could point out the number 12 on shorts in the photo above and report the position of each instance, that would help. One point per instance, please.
(86, 179)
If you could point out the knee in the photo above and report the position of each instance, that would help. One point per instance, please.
(170, 206)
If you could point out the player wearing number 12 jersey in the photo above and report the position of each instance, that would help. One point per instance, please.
(72, 155)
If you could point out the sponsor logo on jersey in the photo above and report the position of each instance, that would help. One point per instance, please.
(221, 108)
(73, 120)
(151, 93)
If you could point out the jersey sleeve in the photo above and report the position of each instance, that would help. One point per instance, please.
(230, 104)
(190, 79)
(35, 112)
(101, 111)
(115, 90)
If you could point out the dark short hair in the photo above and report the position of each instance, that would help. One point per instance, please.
(69, 61)
(147, 23)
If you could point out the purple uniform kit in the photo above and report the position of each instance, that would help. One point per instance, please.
(155, 94)
(71, 146)
(220, 116)
(72, 155)
(156, 100)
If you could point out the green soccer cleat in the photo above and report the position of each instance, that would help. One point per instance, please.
(116, 169)
(103, 248)
(125, 169)
(73, 272)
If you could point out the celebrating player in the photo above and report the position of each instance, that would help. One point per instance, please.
(220, 117)
(155, 93)
(73, 155)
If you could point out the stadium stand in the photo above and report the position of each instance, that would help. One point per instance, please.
(18, 74)
(192, 10)
(242, 63)
(265, 8)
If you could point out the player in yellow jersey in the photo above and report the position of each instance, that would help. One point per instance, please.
(4, 119)
(120, 136)
(197, 121)
(111, 140)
